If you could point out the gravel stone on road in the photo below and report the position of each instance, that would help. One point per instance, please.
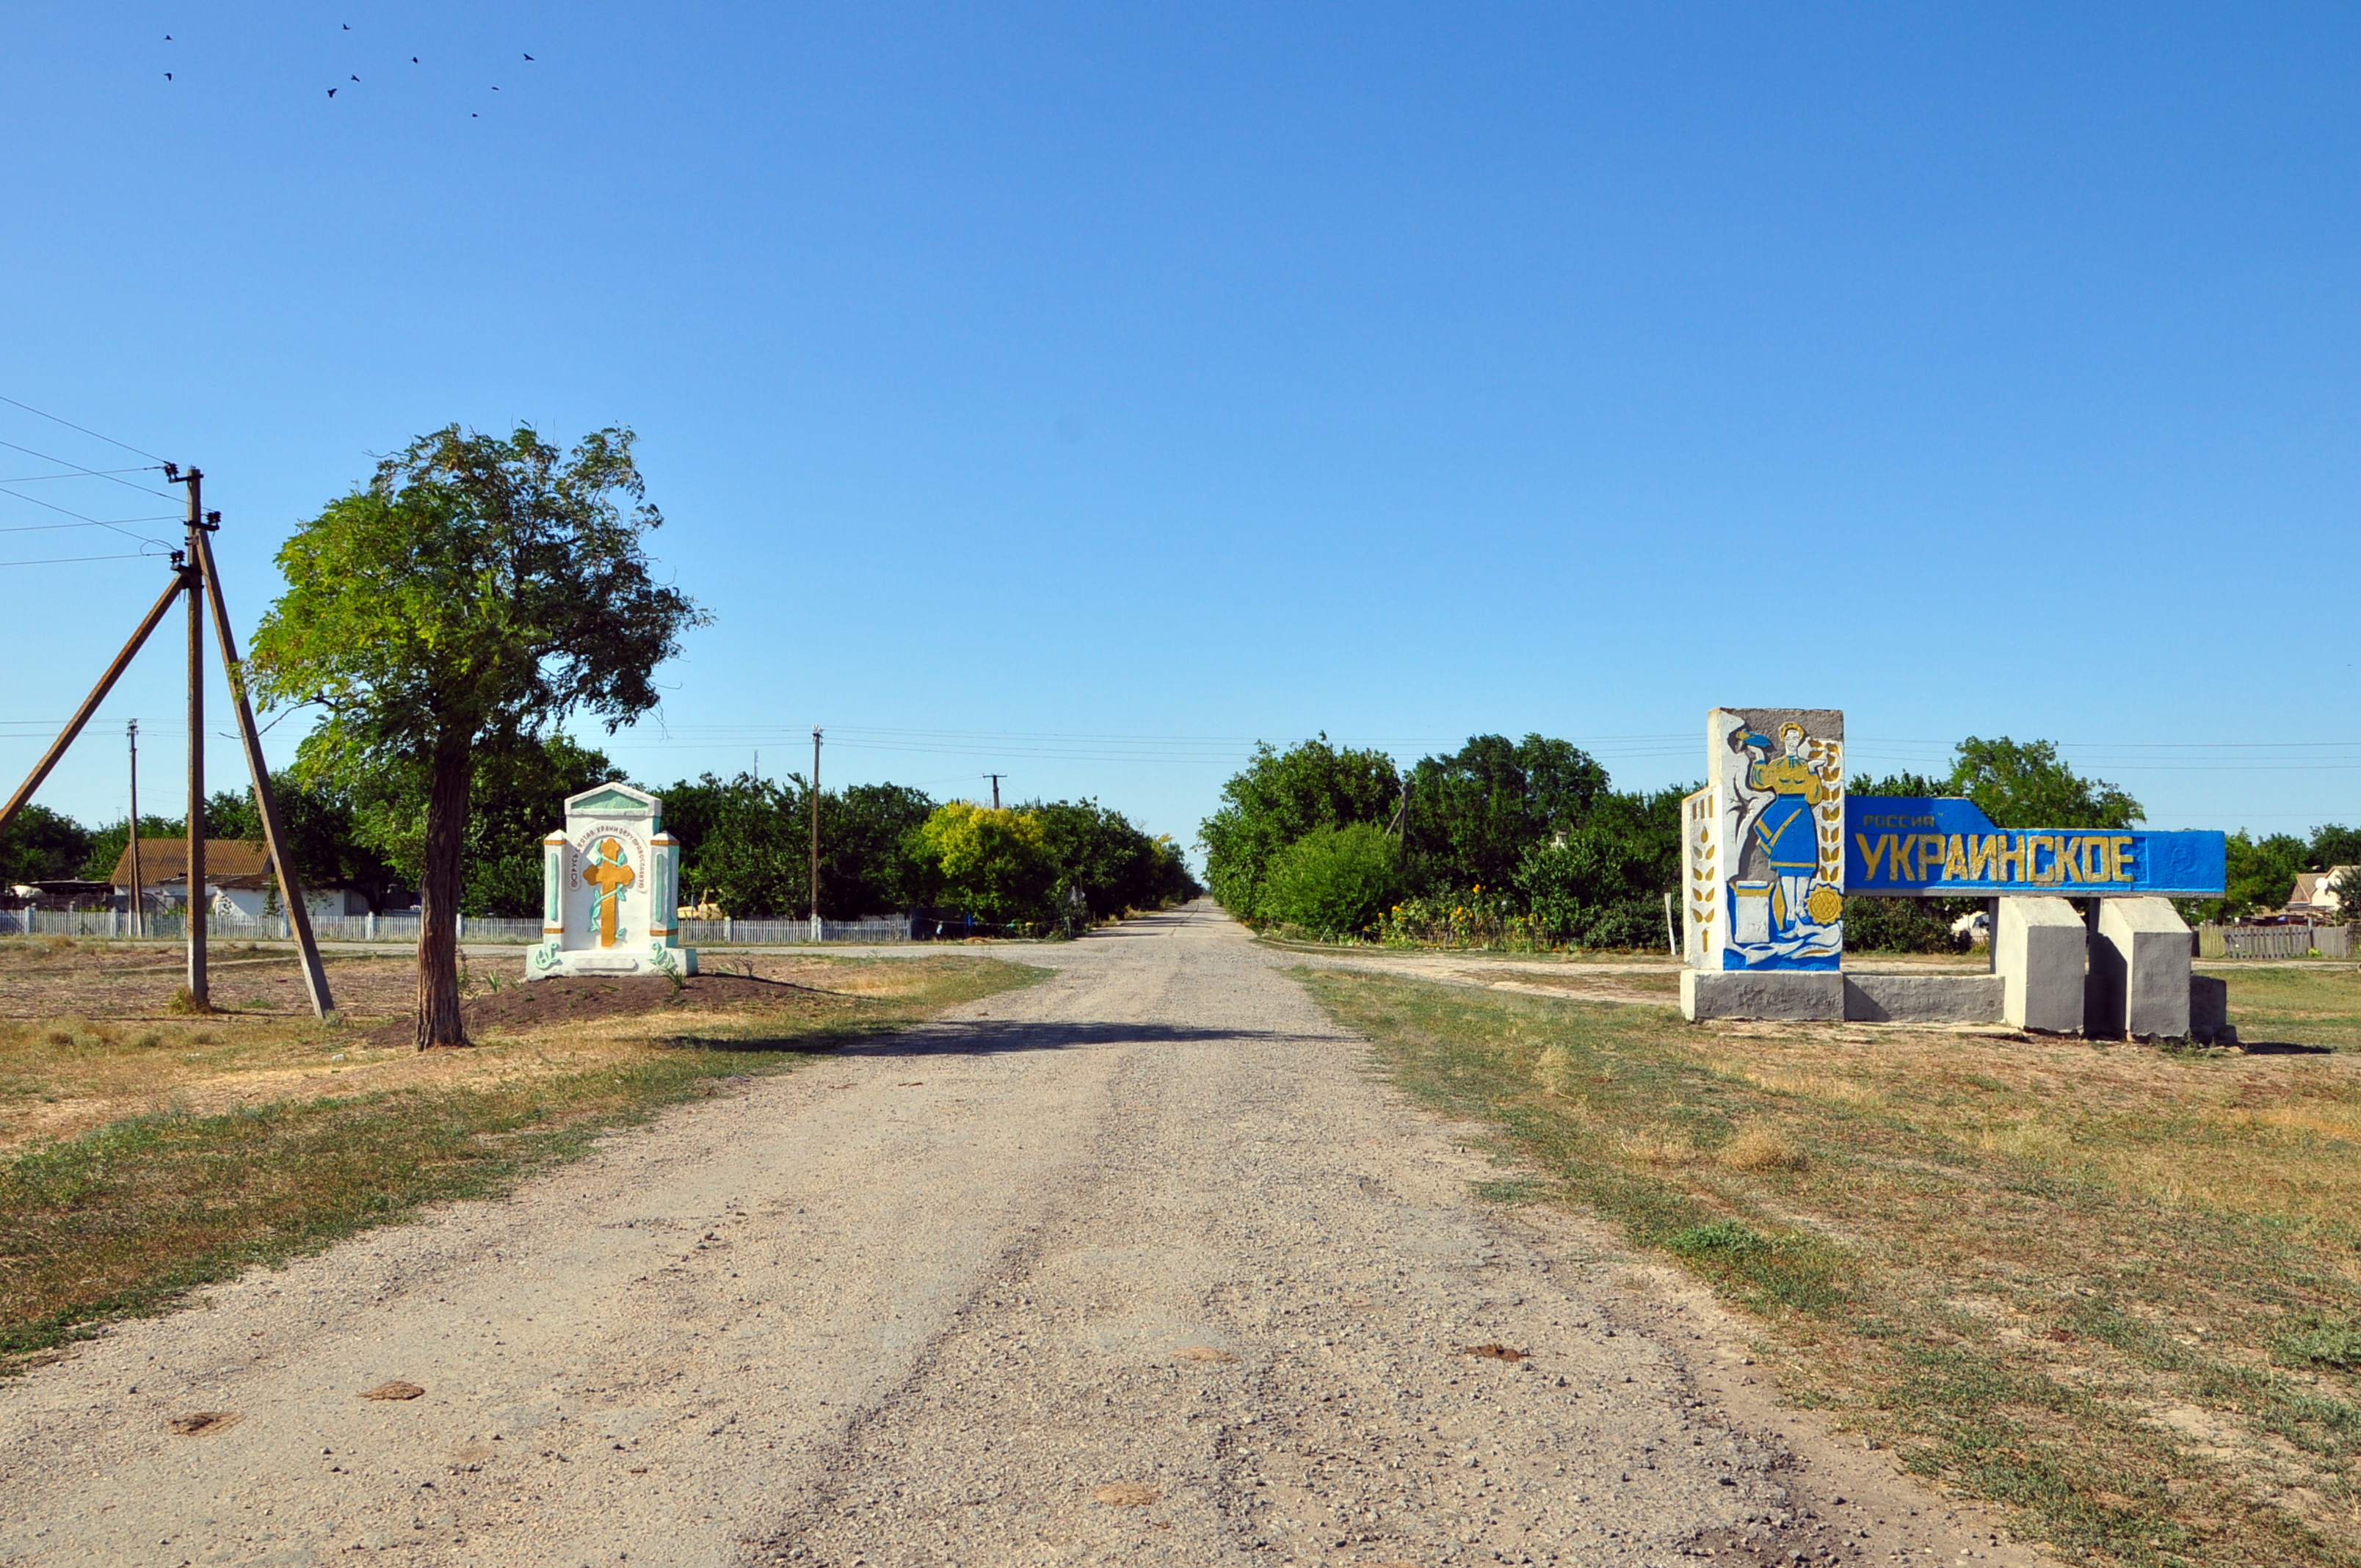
(1143, 1264)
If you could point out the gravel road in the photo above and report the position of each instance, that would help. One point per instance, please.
(1140, 1266)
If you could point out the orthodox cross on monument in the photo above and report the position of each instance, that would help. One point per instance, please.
(609, 873)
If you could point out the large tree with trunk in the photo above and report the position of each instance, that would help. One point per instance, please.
(472, 595)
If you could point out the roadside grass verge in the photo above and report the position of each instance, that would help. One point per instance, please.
(2293, 1003)
(126, 1217)
(2113, 1290)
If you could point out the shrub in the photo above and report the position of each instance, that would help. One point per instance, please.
(1335, 879)
(1905, 924)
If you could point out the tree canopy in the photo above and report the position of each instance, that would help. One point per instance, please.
(473, 593)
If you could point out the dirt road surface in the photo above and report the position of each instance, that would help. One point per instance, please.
(1141, 1266)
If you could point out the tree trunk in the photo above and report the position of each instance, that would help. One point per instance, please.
(439, 1023)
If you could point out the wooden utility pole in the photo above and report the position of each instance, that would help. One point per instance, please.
(995, 779)
(815, 857)
(200, 988)
(138, 927)
(274, 830)
(198, 576)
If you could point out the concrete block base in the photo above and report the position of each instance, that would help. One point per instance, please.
(2039, 950)
(2209, 1011)
(2139, 971)
(1797, 995)
(1923, 998)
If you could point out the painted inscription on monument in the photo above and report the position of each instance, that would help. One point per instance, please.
(1901, 848)
(1761, 847)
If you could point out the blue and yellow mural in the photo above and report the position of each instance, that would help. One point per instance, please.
(1762, 842)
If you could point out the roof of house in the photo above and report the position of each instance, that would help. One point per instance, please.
(2306, 885)
(167, 860)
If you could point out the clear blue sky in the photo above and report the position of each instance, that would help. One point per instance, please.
(1159, 380)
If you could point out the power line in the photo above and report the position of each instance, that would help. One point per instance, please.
(110, 474)
(83, 428)
(70, 559)
(77, 473)
(94, 522)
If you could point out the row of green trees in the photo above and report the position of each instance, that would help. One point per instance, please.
(745, 842)
(1526, 837)
(1526, 842)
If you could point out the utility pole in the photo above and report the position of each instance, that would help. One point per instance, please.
(200, 988)
(136, 928)
(815, 857)
(995, 779)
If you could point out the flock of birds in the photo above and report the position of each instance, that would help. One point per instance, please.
(334, 91)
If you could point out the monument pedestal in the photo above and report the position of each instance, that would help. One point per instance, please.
(2139, 971)
(1798, 995)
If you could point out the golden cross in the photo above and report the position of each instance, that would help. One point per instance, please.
(609, 876)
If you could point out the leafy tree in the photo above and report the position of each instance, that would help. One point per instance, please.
(1281, 796)
(994, 862)
(867, 865)
(42, 845)
(2025, 784)
(1602, 884)
(1334, 881)
(472, 595)
(2334, 845)
(1105, 865)
(741, 843)
(1475, 814)
(2261, 872)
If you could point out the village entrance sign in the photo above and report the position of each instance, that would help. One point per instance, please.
(1771, 847)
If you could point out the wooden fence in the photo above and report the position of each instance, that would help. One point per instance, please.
(2274, 941)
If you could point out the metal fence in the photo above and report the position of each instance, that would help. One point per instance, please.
(2274, 941)
(783, 933)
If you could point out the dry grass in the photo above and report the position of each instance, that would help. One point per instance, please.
(139, 1159)
(2113, 1288)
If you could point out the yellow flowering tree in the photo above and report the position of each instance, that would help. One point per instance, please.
(995, 864)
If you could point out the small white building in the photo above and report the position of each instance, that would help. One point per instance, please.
(237, 883)
(2315, 894)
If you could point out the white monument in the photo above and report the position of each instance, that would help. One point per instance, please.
(610, 891)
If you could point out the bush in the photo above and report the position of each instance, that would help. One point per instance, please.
(1905, 924)
(1632, 923)
(1336, 880)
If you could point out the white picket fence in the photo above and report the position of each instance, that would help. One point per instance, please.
(403, 929)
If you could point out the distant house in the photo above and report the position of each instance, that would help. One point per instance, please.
(2315, 894)
(238, 882)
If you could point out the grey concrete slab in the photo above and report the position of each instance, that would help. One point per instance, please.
(1806, 995)
(1923, 998)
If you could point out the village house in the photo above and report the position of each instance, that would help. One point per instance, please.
(2315, 898)
(237, 883)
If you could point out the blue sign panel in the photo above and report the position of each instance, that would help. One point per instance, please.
(1898, 848)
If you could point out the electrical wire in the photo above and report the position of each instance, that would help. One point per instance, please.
(78, 473)
(70, 559)
(94, 522)
(84, 429)
(110, 475)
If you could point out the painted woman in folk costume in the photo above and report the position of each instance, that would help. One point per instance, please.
(1785, 830)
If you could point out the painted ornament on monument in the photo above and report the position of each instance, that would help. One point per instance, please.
(1762, 844)
(608, 881)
